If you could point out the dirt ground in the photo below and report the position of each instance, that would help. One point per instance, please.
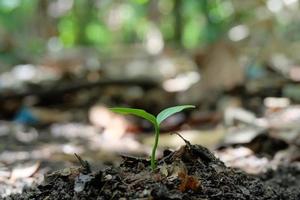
(192, 172)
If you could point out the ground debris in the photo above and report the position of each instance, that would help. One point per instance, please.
(190, 173)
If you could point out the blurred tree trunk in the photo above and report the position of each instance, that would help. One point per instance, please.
(45, 27)
(84, 11)
(153, 11)
(178, 22)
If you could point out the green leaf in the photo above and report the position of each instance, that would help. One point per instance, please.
(138, 112)
(171, 111)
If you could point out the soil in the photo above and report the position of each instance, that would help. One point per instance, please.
(192, 172)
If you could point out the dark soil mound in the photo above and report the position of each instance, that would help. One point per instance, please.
(192, 172)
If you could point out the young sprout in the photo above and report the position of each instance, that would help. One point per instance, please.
(156, 122)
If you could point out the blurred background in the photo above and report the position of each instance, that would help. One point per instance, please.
(63, 63)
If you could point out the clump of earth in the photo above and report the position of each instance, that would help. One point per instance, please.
(192, 172)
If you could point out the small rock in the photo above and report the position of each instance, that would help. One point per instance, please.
(108, 177)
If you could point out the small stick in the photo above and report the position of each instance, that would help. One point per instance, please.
(170, 156)
(84, 164)
(186, 141)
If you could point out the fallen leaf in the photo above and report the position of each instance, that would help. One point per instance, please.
(24, 170)
(188, 182)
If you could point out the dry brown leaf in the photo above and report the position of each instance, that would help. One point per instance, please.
(188, 182)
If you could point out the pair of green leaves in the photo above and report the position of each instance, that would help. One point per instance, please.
(156, 121)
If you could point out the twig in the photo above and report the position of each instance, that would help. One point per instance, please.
(86, 166)
(186, 141)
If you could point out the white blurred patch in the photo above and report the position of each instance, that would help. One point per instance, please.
(166, 67)
(154, 40)
(275, 102)
(24, 72)
(182, 82)
(275, 6)
(54, 44)
(117, 15)
(71, 149)
(10, 4)
(59, 7)
(281, 63)
(290, 2)
(294, 73)
(238, 33)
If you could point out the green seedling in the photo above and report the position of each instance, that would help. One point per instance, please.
(155, 121)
